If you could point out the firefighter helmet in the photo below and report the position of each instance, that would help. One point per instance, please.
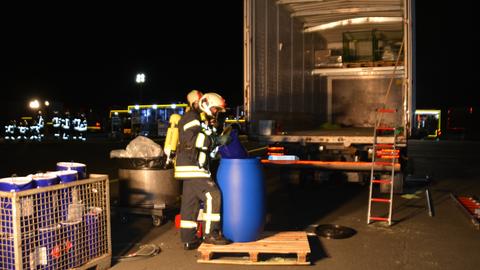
(211, 101)
(193, 96)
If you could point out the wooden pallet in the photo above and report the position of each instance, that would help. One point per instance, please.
(277, 244)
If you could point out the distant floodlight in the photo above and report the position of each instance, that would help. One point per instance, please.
(137, 107)
(173, 106)
(47, 103)
(34, 104)
(140, 78)
(154, 106)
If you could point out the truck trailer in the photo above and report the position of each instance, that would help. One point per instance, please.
(316, 72)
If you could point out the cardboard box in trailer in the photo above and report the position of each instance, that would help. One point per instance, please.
(315, 72)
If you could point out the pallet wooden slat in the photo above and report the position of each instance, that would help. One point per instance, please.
(269, 243)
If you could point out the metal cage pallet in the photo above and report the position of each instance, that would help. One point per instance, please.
(64, 226)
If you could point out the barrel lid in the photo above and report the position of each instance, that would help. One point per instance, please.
(17, 180)
(44, 176)
(66, 172)
(71, 164)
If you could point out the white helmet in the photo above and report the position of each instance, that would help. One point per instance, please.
(212, 100)
(193, 96)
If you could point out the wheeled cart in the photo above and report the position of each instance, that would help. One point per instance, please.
(148, 191)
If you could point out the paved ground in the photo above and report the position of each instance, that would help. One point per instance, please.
(416, 241)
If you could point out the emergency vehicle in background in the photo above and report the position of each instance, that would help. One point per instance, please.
(428, 124)
(146, 120)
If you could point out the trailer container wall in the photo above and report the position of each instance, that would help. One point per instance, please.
(282, 89)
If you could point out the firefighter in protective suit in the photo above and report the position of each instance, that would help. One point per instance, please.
(196, 141)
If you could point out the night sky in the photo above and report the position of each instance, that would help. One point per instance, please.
(87, 56)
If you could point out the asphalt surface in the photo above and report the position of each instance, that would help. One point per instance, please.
(415, 241)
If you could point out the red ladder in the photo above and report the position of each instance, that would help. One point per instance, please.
(384, 154)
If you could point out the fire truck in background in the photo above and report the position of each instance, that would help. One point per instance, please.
(146, 120)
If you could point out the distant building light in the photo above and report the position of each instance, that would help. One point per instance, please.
(140, 78)
(116, 113)
(47, 103)
(137, 107)
(130, 111)
(154, 106)
(173, 106)
(34, 104)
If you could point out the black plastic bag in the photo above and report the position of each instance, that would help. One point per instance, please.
(141, 163)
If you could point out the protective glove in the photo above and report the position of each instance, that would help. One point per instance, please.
(223, 139)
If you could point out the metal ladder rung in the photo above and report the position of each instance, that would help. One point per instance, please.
(388, 151)
(379, 219)
(389, 156)
(381, 200)
(382, 181)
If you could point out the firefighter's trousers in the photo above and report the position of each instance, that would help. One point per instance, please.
(195, 191)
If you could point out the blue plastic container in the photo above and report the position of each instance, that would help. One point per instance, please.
(65, 194)
(15, 184)
(79, 167)
(73, 244)
(7, 252)
(49, 248)
(93, 233)
(234, 149)
(45, 179)
(67, 176)
(243, 198)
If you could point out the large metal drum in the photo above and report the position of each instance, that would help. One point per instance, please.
(149, 188)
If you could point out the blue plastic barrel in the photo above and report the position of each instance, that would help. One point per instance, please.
(67, 176)
(243, 198)
(65, 195)
(45, 179)
(73, 243)
(7, 252)
(79, 167)
(15, 184)
(93, 232)
(49, 248)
